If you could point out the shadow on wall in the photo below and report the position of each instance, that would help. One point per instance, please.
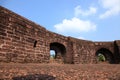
(35, 77)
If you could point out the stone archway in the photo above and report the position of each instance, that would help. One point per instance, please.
(106, 54)
(60, 52)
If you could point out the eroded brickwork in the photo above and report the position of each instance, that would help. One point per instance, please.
(23, 41)
(17, 39)
(83, 51)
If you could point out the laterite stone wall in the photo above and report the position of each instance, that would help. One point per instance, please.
(23, 41)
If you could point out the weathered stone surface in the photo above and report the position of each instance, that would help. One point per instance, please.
(23, 41)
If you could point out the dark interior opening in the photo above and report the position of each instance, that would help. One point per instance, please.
(35, 43)
(107, 54)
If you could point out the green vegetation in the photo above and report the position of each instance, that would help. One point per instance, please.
(101, 57)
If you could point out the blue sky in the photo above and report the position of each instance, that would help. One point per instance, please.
(96, 20)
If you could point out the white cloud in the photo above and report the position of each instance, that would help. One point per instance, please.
(112, 6)
(74, 25)
(79, 11)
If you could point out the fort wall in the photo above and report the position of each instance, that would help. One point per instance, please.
(23, 41)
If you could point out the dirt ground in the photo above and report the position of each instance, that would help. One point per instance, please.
(54, 71)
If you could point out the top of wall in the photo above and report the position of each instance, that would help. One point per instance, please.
(19, 17)
(117, 42)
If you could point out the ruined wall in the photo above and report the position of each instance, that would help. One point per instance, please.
(24, 41)
(20, 39)
(117, 51)
(117, 44)
(107, 45)
(57, 38)
(83, 51)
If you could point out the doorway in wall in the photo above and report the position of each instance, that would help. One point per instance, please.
(57, 53)
(105, 55)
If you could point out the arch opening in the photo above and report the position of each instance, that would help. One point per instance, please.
(105, 55)
(57, 51)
